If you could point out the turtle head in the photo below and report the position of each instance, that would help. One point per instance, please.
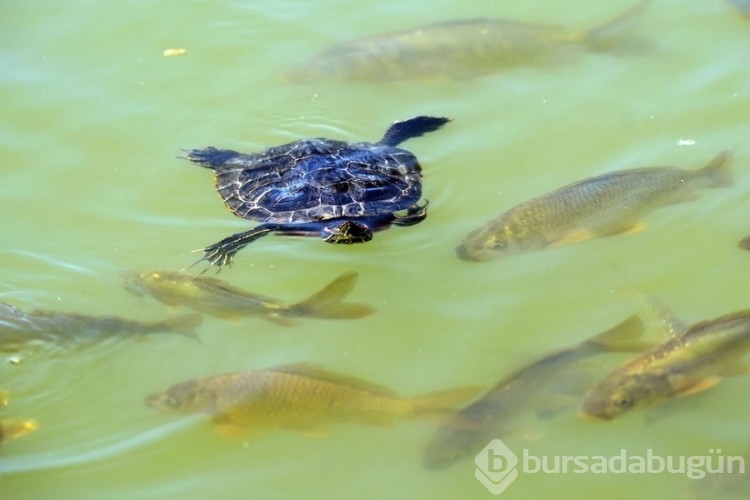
(346, 232)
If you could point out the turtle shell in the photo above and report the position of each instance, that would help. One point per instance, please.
(319, 179)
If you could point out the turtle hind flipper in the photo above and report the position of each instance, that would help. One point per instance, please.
(210, 157)
(413, 127)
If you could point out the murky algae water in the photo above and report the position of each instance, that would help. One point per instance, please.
(96, 117)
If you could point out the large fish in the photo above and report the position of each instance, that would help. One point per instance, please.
(218, 298)
(19, 328)
(611, 203)
(466, 432)
(299, 397)
(455, 49)
(687, 363)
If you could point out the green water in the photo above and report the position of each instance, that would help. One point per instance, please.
(95, 117)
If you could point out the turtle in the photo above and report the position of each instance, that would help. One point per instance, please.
(340, 191)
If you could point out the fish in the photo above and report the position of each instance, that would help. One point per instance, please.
(300, 397)
(741, 7)
(218, 298)
(12, 428)
(4, 397)
(744, 243)
(457, 49)
(685, 364)
(19, 328)
(611, 203)
(467, 431)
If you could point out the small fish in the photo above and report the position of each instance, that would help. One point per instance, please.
(466, 432)
(685, 364)
(218, 298)
(611, 203)
(741, 7)
(455, 49)
(4, 397)
(299, 397)
(12, 428)
(744, 243)
(19, 328)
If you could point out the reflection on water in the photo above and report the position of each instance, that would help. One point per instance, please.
(96, 120)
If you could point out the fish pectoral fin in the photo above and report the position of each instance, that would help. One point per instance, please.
(699, 386)
(573, 237)
(629, 229)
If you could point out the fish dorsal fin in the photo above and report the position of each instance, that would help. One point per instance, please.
(699, 329)
(317, 372)
(622, 337)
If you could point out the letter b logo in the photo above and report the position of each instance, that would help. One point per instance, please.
(496, 466)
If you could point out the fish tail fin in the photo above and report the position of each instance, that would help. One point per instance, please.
(623, 337)
(183, 325)
(717, 171)
(328, 302)
(442, 403)
(614, 31)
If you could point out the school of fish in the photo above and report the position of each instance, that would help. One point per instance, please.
(305, 397)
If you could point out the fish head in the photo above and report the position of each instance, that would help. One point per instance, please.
(491, 240)
(620, 393)
(136, 282)
(186, 396)
(153, 282)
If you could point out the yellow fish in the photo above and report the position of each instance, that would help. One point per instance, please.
(300, 397)
(608, 204)
(219, 298)
(19, 328)
(470, 429)
(687, 363)
(455, 49)
(12, 428)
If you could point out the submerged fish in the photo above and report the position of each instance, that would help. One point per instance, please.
(611, 203)
(470, 429)
(300, 397)
(741, 7)
(685, 364)
(455, 49)
(744, 243)
(18, 328)
(11, 428)
(218, 298)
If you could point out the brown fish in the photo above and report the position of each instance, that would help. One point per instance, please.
(219, 298)
(607, 204)
(687, 363)
(465, 433)
(301, 397)
(456, 49)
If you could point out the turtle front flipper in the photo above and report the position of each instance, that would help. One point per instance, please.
(413, 127)
(414, 215)
(222, 253)
(346, 233)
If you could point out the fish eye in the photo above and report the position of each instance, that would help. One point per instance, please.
(624, 402)
(171, 402)
(499, 244)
